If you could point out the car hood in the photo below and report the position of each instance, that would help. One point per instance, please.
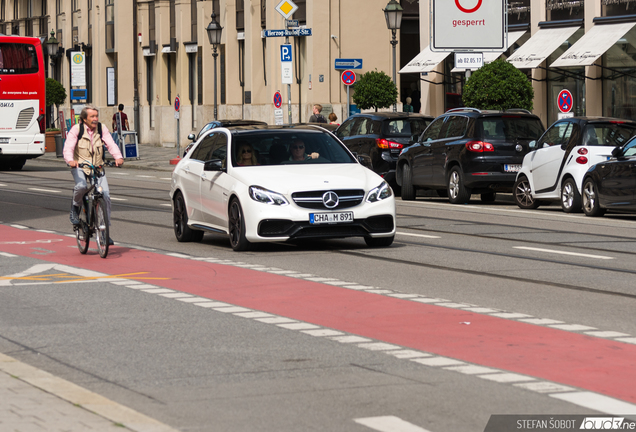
(287, 179)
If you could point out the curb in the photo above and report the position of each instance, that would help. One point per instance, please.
(81, 397)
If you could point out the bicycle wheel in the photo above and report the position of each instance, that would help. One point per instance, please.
(82, 233)
(101, 227)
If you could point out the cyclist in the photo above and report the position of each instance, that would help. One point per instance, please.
(85, 144)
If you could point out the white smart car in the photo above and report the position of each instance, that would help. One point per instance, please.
(271, 183)
(564, 153)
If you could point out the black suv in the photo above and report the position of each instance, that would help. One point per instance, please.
(378, 138)
(467, 150)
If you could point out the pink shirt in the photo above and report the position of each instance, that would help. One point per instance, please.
(71, 142)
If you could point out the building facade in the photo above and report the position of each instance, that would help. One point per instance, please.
(146, 53)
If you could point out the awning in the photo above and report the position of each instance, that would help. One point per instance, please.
(593, 44)
(490, 56)
(425, 61)
(543, 43)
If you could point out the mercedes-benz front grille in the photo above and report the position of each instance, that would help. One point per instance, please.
(314, 199)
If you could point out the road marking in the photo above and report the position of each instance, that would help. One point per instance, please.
(118, 199)
(165, 178)
(45, 190)
(389, 424)
(417, 235)
(3, 185)
(8, 255)
(597, 402)
(145, 176)
(562, 252)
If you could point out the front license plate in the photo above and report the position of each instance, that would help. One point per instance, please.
(319, 218)
(512, 168)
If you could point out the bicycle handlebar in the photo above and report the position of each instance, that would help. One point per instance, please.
(106, 163)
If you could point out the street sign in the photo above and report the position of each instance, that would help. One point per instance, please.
(479, 25)
(348, 77)
(342, 64)
(565, 101)
(278, 100)
(177, 103)
(285, 53)
(289, 32)
(469, 60)
(286, 8)
(291, 23)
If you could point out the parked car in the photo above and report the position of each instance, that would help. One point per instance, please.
(326, 194)
(220, 123)
(378, 138)
(611, 185)
(554, 170)
(466, 151)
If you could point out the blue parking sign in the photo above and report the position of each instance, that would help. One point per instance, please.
(285, 53)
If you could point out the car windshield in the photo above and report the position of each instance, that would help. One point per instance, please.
(405, 127)
(608, 134)
(286, 147)
(509, 128)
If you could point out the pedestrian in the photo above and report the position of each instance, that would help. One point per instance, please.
(332, 118)
(124, 119)
(316, 117)
(85, 144)
(407, 107)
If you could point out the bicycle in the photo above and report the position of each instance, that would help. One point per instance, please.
(93, 215)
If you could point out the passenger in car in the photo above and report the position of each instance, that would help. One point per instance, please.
(245, 155)
(297, 152)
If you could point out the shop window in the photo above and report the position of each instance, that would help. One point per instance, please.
(519, 12)
(193, 20)
(618, 7)
(173, 19)
(75, 14)
(301, 13)
(264, 14)
(573, 79)
(619, 82)
(152, 34)
(110, 25)
(561, 10)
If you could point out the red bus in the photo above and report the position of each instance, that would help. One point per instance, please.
(22, 101)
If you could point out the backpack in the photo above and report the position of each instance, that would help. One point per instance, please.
(81, 130)
(320, 118)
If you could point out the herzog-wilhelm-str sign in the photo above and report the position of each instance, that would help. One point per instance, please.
(468, 25)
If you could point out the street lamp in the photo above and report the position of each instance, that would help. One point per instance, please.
(214, 30)
(393, 15)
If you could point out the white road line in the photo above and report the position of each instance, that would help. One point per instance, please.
(3, 185)
(167, 205)
(117, 199)
(8, 255)
(45, 190)
(145, 176)
(417, 235)
(389, 424)
(563, 252)
(597, 402)
(165, 178)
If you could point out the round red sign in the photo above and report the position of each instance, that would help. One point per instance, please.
(565, 101)
(348, 77)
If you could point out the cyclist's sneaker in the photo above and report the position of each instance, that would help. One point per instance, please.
(75, 215)
(110, 242)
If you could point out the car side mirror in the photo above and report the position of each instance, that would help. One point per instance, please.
(564, 146)
(192, 137)
(213, 165)
(546, 145)
(617, 152)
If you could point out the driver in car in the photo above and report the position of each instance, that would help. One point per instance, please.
(297, 151)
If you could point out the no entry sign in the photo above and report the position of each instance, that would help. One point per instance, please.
(565, 101)
(348, 77)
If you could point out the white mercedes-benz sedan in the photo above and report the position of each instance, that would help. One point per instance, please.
(274, 183)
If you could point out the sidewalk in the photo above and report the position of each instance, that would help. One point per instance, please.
(150, 158)
(34, 400)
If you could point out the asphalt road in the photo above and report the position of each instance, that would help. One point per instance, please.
(543, 300)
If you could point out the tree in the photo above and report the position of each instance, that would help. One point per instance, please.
(500, 86)
(374, 90)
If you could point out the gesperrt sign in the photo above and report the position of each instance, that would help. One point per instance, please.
(468, 25)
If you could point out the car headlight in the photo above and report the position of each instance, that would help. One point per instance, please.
(379, 193)
(265, 196)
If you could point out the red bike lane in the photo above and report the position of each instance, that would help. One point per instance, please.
(594, 364)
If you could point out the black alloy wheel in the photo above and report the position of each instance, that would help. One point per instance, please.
(182, 231)
(237, 227)
(408, 191)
